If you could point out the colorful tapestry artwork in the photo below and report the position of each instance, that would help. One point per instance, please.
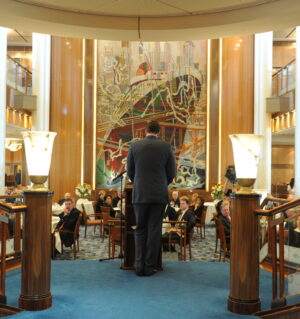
(138, 82)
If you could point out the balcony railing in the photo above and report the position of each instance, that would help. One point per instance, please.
(18, 77)
(283, 81)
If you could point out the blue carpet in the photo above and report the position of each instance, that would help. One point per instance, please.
(90, 289)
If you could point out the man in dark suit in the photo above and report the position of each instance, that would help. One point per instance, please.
(186, 214)
(151, 168)
(68, 219)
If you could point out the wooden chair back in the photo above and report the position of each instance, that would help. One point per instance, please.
(76, 229)
(203, 216)
(220, 234)
(84, 215)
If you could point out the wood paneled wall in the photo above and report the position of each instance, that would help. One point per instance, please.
(88, 112)
(213, 133)
(66, 114)
(283, 160)
(237, 106)
(69, 97)
(283, 53)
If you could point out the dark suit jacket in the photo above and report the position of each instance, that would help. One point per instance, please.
(226, 224)
(189, 217)
(68, 222)
(151, 168)
(115, 201)
(100, 202)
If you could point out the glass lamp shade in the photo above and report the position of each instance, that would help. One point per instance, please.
(246, 153)
(13, 144)
(38, 150)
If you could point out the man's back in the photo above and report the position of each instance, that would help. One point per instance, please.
(151, 167)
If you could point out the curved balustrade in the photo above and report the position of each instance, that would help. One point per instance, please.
(276, 237)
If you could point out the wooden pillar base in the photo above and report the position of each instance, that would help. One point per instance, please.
(34, 303)
(244, 255)
(243, 307)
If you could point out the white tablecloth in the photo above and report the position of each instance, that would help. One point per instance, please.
(55, 221)
(57, 209)
(211, 208)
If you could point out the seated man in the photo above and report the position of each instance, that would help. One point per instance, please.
(62, 201)
(116, 199)
(100, 201)
(174, 201)
(223, 213)
(68, 219)
(184, 214)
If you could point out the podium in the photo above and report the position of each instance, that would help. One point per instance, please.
(128, 236)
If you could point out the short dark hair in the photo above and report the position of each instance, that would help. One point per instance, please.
(153, 127)
(185, 198)
(69, 200)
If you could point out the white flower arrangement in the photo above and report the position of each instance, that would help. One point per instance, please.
(83, 190)
(217, 191)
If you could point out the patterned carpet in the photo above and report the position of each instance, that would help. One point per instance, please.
(92, 247)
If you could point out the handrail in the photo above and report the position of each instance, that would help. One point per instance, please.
(276, 210)
(283, 67)
(273, 199)
(11, 208)
(20, 65)
(273, 233)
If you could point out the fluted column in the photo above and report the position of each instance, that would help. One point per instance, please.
(297, 114)
(41, 54)
(3, 58)
(262, 119)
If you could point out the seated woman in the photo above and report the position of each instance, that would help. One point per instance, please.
(294, 234)
(198, 207)
(108, 203)
(193, 200)
(223, 213)
(100, 201)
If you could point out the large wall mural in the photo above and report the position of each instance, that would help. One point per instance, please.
(138, 82)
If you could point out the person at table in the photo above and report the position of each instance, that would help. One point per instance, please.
(294, 234)
(186, 214)
(108, 203)
(174, 201)
(198, 207)
(116, 199)
(68, 219)
(100, 201)
(194, 198)
(223, 213)
(62, 201)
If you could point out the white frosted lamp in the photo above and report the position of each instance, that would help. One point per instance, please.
(246, 153)
(38, 150)
(13, 144)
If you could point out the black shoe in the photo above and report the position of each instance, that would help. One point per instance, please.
(150, 273)
(139, 273)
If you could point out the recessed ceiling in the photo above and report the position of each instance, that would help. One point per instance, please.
(145, 8)
(150, 20)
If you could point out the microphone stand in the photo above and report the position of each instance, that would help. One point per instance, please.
(120, 176)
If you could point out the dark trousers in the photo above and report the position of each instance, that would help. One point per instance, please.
(147, 235)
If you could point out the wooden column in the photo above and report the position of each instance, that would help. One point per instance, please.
(244, 256)
(36, 255)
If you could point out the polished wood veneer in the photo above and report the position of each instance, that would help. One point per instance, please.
(244, 255)
(36, 254)
(66, 99)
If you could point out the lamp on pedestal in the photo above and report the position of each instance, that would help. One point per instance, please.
(36, 252)
(244, 245)
(38, 150)
(246, 152)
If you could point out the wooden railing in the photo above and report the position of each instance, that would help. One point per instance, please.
(16, 210)
(284, 79)
(274, 222)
